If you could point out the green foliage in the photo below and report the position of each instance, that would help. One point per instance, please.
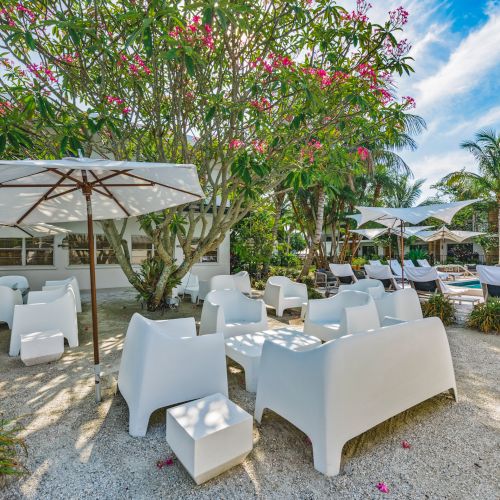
(440, 306)
(11, 449)
(359, 261)
(485, 317)
(417, 253)
(286, 259)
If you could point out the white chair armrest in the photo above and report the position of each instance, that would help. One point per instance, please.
(388, 321)
(273, 294)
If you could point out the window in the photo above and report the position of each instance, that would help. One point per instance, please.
(104, 250)
(142, 249)
(11, 252)
(39, 251)
(78, 249)
(211, 257)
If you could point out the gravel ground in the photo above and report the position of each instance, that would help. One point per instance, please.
(77, 449)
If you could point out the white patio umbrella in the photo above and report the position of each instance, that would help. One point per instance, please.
(398, 217)
(75, 189)
(444, 233)
(30, 230)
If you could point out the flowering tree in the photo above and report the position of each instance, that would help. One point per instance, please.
(246, 90)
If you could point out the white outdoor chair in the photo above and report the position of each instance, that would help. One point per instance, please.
(367, 285)
(425, 263)
(403, 305)
(232, 313)
(16, 283)
(189, 285)
(343, 314)
(341, 389)
(383, 274)
(8, 300)
(50, 285)
(49, 310)
(396, 269)
(164, 363)
(409, 263)
(242, 282)
(375, 263)
(489, 276)
(343, 273)
(283, 293)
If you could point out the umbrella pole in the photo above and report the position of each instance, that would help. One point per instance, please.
(390, 244)
(402, 254)
(95, 336)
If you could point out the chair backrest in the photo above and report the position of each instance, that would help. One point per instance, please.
(377, 272)
(402, 304)
(409, 263)
(363, 286)
(15, 282)
(423, 263)
(222, 282)
(341, 270)
(49, 285)
(396, 268)
(424, 279)
(242, 281)
(375, 263)
(233, 302)
(489, 276)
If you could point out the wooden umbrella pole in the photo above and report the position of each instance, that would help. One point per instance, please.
(402, 254)
(390, 244)
(87, 191)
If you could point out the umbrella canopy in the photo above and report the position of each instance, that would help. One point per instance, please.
(372, 233)
(75, 189)
(30, 230)
(444, 233)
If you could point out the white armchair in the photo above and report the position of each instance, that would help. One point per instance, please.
(16, 283)
(8, 300)
(164, 363)
(370, 286)
(283, 293)
(341, 389)
(242, 282)
(189, 285)
(403, 305)
(345, 313)
(232, 313)
(50, 285)
(49, 310)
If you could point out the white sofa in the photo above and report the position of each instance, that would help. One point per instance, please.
(343, 273)
(403, 305)
(73, 282)
(282, 293)
(49, 310)
(189, 285)
(345, 313)
(368, 285)
(341, 389)
(232, 313)
(164, 363)
(8, 300)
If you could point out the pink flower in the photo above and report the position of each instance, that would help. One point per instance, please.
(382, 487)
(192, 27)
(133, 69)
(125, 111)
(261, 105)
(235, 144)
(398, 17)
(259, 146)
(208, 42)
(409, 101)
(207, 28)
(196, 19)
(405, 444)
(363, 153)
(168, 462)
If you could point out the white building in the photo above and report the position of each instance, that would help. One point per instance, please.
(57, 257)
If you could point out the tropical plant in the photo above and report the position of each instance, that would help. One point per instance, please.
(403, 192)
(486, 316)
(485, 184)
(417, 253)
(11, 448)
(440, 306)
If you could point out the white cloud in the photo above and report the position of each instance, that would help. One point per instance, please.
(475, 56)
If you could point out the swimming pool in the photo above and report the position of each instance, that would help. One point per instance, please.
(475, 284)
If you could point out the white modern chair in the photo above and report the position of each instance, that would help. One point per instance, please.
(343, 273)
(403, 305)
(383, 274)
(232, 313)
(16, 283)
(242, 282)
(341, 389)
(189, 285)
(8, 300)
(489, 277)
(49, 310)
(222, 282)
(370, 286)
(283, 293)
(50, 285)
(164, 363)
(343, 314)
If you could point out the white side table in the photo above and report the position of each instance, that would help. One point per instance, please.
(209, 435)
(41, 347)
(247, 349)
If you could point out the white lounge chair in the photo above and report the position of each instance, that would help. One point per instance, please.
(370, 286)
(489, 277)
(8, 300)
(403, 305)
(283, 293)
(343, 314)
(50, 285)
(396, 269)
(189, 285)
(343, 273)
(16, 283)
(409, 263)
(164, 363)
(242, 282)
(232, 313)
(375, 263)
(49, 310)
(341, 389)
(425, 263)
(383, 274)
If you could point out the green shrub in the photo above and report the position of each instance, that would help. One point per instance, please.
(485, 317)
(11, 448)
(259, 284)
(290, 272)
(440, 306)
(359, 261)
(417, 253)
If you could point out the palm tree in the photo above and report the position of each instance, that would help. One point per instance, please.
(486, 184)
(403, 192)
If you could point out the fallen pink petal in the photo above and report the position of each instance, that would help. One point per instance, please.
(382, 487)
(405, 444)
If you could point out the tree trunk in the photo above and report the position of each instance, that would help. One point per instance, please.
(320, 213)
(277, 216)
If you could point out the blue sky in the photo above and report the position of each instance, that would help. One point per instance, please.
(456, 84)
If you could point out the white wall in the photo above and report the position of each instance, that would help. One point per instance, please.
(107, 276)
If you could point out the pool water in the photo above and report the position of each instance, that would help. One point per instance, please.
(467, 284)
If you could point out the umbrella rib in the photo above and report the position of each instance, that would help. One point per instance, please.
(113, 197)
(44, 197)
(162, 185)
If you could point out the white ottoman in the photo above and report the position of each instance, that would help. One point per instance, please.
(41, 347)
(209, 435)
